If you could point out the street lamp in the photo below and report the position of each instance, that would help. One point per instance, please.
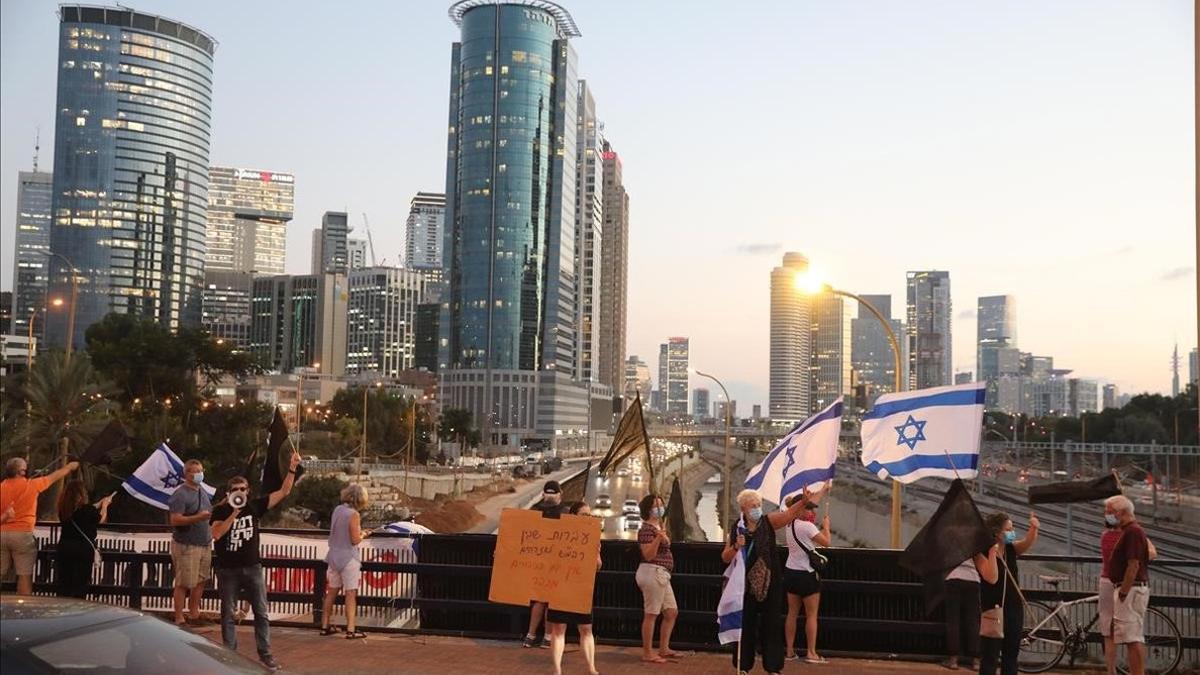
(300, 400)
(812, 285)
(58, 302)
(725, 512)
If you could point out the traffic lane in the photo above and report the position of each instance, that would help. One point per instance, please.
(619, 488)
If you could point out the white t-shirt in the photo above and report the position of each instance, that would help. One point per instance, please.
(965, 571)
(797, 557)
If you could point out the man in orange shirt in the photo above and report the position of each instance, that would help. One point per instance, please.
(18, 514)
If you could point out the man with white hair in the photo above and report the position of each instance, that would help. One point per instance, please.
(1127, 568)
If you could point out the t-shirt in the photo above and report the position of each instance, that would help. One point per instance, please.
(21, 494)
(800, 531)
(1108, 542)
(1132, 545)
(550, 510)
(239, 546)
(190, 501)
(79, 532)
(965, 571)
(663, 557)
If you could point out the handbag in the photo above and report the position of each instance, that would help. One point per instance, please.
(991, 621)
(818, 561)
(97, 559)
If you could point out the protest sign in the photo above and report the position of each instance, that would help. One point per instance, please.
(545, 559)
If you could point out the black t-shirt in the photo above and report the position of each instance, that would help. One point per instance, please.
(239, 546)
(80, 530)
(991, 595)
(550, 510)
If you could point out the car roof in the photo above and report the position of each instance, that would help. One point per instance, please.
(26, 618)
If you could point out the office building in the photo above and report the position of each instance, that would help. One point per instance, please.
(930, 353)
(425, 355)
(509, 310)
(1193, 367)
(226, 313)
(248, 213)
(357, 256)
(791, 343)
(300, 322)
(131, 149)
(871, 351)
(382, 319)
(30, 246)
(330, 244)
(6, 315)
(718, 411)
(1082, 397)
(963, 378)
(995, 331)
(423, 233)
(700, 401)
(589, 222)
(757, 408)
(673, 376)
(830, 367)
(1111, 393)
(637, 380)
(614, 278)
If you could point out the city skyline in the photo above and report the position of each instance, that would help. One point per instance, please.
(1069, 220)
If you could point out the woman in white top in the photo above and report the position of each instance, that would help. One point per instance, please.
(802, 583)
(344, 562)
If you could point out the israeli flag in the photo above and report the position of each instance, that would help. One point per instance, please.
(729, 607)
(929, 432)
(158, 477)
(806, 457)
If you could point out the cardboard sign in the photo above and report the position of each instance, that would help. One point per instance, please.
(545, 559)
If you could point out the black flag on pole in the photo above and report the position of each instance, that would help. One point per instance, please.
(1075, 491)
(111, 439)
(676, 523)
(955, 533)
(631, 436)
(275, 463)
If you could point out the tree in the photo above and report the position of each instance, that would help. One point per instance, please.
(67, 400)
(317, 494)
(389, 420)
(458, 426)
(349, 433)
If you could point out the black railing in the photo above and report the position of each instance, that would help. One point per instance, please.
(868, 605)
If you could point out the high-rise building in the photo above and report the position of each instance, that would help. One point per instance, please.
(1175, 371)
(424, 232)
(791, 343)
(1081, 397)
(614, 278)
(6, 315)
(425, 354)
(700, 400)
(757, 408)
(930, 354)
(589, 223)
(356, 254)
(963, 378)
(299, 322)
(226, 309)
(382, 319)
(673, 376)
(996, 330)
(1194, 366)
(718, 410)
(331, 245)
(871, 352)
(248, 213)
(1111, 393)
(509, 309)
(637, 380)
(831, 317)
(32, 243)
(131, 164)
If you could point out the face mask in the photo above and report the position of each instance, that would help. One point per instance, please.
(1010, 536)
(756, 513)
(659, 512)
(1110, 520)
(198, 477)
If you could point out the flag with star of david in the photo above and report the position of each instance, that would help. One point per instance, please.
(158, 477)
(929, 432)
(805, 458)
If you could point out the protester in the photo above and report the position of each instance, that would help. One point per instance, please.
(800, 580)
(556, 621)
(343, 558)
(191, 541)
(551, 506)
(1127, 569)
(237, 561)
(762, 608)
(18, 514)
(76, 551)
(1005, 593)
(962, 606)
(654, 579)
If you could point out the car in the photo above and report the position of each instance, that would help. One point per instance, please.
(633, 521)
(603, 502)
(630, 506)
(51, 635)
(637, 477)
(622, 472)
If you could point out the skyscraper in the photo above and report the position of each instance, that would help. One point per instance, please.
(1111, 394)
(831, 350)
(226, 307)
(1175, 371)
(330, 244)
(356, 254)
(673, 376)
(996, 330)
(509, 314)
(300, 321)
(589, 223)
(34, 190)
(382, 320)
(130, 166)
(248, 213)
(871, 352)
(930, 356)
(791, 343)
(700, 401)
(637, 379)
(1193, 366)
(423, 234)
(614, 278)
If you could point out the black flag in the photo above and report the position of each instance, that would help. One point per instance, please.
(631, 436)
(275, 463)
(955, 533)
(676, 524)
(1075, 491)
(112, 438)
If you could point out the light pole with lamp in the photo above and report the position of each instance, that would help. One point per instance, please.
(725, 513)
(814, 286)
(300, 400)
(57, 302)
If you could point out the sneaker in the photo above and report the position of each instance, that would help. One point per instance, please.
(950, 663)
(545, 643)
(270, 662)
(528, 642)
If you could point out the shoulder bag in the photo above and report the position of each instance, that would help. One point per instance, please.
(818, 561)
(991, 621)
(97, 560)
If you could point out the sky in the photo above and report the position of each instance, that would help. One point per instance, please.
(1042, 150)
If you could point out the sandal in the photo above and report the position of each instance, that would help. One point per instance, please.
(330, 630)
(356, 635)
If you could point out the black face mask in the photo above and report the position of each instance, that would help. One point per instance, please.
(810, 506)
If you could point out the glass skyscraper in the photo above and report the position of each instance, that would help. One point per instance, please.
(791, 343)
(32, 241)
(130, 166)
(930, 345)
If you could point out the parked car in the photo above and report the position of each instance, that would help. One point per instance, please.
(603, 502)
(633, 521)
(622, 472)
(53, 635)
(631, 506)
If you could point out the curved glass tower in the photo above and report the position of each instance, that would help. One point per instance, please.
(130, 167)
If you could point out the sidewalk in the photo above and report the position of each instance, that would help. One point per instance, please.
(492, 507)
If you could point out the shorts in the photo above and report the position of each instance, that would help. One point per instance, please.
(657, 594)
(346, 577)
(1106, 607)
(18, 550)
(193, 564)
(555, 616)
(1129, 617)
(801, 582)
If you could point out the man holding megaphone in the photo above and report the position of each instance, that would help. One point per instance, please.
(235, 526)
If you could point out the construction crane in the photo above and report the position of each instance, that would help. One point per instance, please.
(370, 241)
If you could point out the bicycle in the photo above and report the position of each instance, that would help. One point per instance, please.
(1046, 638)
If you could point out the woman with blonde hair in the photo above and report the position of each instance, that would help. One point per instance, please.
(344, 560)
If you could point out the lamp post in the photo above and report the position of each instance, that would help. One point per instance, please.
(805, 284)
(725, 513)
(71, 305)
(300, 400)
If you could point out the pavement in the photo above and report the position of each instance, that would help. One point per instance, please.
(305, 651)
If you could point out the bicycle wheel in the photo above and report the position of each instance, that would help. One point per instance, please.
(1163, 645)
(1043, 639)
